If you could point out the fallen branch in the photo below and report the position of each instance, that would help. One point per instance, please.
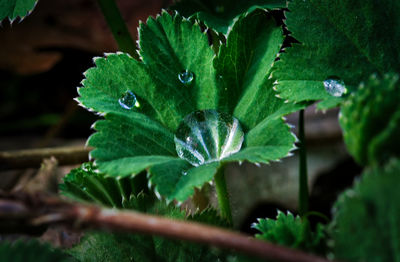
(33, 157)
(37, 211)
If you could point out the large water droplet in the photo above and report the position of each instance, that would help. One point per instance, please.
(335, 87)
(206, 136)
(186, 77)
(128, 100)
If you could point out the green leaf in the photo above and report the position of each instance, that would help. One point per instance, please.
(142, 138)
(31, 251)
(100, 246)
(209, 216)
(268, 141)
(291, 231)
(170, 45)
(370, 120)
(346, 39)
(88, 185)
(244, 65)
(177, 179)
(127, 144)
(220, 15)
(366, 217)
(118, 247)
(16, 8)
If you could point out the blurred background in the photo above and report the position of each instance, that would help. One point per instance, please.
(42, 60)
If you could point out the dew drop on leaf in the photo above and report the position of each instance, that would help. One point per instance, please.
(335, 86)
(128, 100)
(207, 136)
(186, 77)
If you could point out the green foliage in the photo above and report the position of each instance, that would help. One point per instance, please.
(291, 231)
(346, 39)
(88, 185)
(16, 8)
(221, 14)
(121, 247)
(370, 120)
(366, 221)
(31, 251)
(130, 141)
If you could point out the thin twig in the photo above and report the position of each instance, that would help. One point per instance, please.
(49, 210)
(33, 157)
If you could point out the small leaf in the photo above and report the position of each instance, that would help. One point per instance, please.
(31, 251)
(16, 8)
(291, 231)
(370, 120)
(87, 184)
(177, 179)
(220, 15)
(366, 217)
(346, 39)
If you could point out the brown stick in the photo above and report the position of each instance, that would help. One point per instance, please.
(53, 210)
(33, 157)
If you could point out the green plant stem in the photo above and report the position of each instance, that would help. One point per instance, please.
(118, 27)
(222, 194)
(303, 177)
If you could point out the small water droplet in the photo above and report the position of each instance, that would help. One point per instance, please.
(220, 9)
(186, 77)
(207, 136)
(335, 86)
(184, 173)
(128, 100)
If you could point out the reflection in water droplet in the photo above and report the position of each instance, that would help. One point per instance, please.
(186, 77)
(128, 100)
(335, 87)
(206, 136)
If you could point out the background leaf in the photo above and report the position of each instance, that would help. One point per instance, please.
(84, 184)
(88, 185)
(346, 39)
(220, 15)
(16, 8)
(292, 231)
(31, 251)
(366, 218)
(370, 120)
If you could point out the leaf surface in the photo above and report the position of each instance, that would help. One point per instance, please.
(16, 8)
(31, 251)
(84, 184)
(236, 82)
(220, 15)
(345, 39)
(366, 217)
(370, 120)
(291, 231)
